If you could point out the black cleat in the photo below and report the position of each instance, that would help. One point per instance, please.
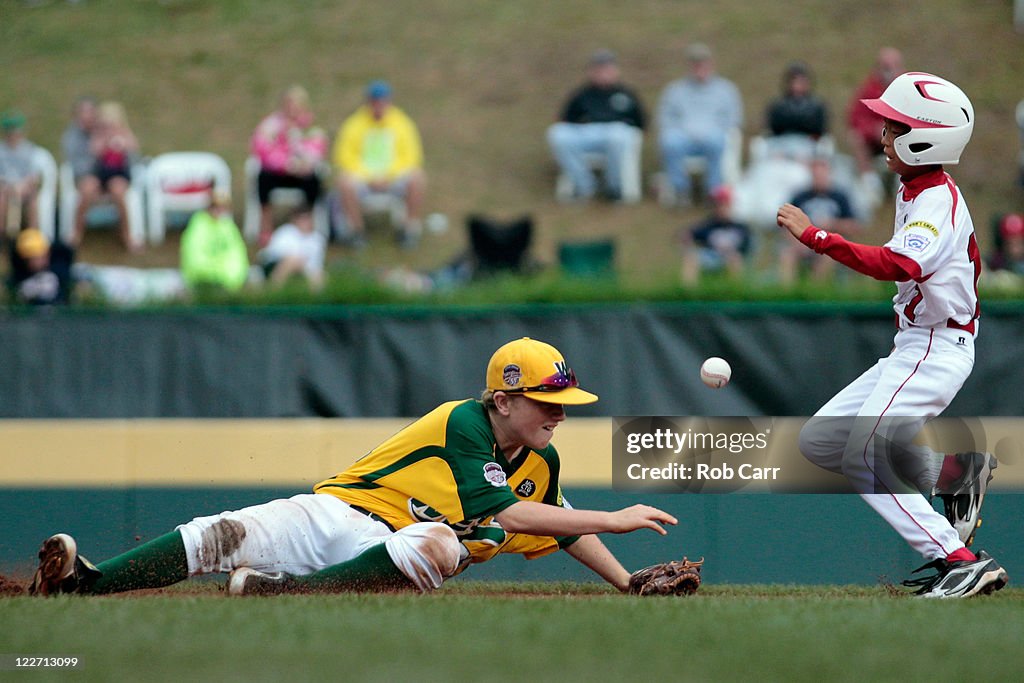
(961, 579)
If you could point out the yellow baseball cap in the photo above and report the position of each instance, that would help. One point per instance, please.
(31, 243)
(536, 370)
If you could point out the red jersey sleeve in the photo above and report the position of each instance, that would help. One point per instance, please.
(880, 263)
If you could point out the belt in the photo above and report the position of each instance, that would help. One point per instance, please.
(968, 327)
(372, 515)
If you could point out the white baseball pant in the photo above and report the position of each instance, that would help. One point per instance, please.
(891, 402)
(309, 532)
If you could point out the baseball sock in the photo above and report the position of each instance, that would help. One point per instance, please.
(951, 469)
(154, 564)
(373, 570)
(961, 555)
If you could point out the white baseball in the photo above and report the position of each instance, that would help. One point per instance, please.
(715, 372)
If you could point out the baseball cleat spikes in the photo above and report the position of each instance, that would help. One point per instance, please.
(962, 499)
(960, 579)
(249, 581)
(61, 569)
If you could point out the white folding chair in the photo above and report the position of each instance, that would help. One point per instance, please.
(181, 181)
(47, 197)
(732, 159)
(101, 213)
(282, 195)
(732, 167)
(629, 171)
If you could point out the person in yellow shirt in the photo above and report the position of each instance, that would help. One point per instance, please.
(469, 480)
(378, 150)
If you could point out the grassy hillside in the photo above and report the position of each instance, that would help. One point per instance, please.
(483, 80)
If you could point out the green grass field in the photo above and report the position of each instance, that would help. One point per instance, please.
(553, 632)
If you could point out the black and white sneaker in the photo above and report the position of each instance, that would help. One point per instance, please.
(962, 499)
(61, 569)
(249, 581)
(960, 579)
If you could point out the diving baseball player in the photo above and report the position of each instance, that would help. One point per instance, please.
(467, 481)
(934, 260)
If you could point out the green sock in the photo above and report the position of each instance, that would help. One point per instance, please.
(155, 564)
(373, 570)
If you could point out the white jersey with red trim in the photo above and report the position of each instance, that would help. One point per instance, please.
(934, 229)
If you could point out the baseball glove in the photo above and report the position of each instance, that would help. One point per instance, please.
(679, 577)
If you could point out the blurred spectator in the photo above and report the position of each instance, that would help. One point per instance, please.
(695, 117)
(798, 119)
(829, 208)
(76, 148)
(115, 149)
(19, 175)
(213, 253)
(378, 150)
(1020, 130)
(295, 248)
(290, 150)
(40, 273)
(717, 242)
(865, 126)
(603, 116)
(1009, 252)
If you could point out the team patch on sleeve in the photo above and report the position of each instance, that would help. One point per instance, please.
(916, 242)
(494, 474)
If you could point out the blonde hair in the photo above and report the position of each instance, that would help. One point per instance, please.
(487, 398)
(112, 113)
(297, 95)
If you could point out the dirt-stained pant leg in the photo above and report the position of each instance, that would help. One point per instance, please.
(298, 535)
(426, 552)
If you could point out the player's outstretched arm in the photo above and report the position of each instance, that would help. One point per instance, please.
(592, 553)
(539, 519)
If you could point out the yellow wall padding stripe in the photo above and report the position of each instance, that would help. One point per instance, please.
(285, 452)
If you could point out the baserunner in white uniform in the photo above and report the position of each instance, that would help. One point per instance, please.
(865, 431)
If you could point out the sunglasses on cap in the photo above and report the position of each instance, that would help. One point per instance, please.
(563, 379)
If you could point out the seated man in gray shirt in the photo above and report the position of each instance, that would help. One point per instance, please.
(19, 176)
(695, 116)
(77, 151)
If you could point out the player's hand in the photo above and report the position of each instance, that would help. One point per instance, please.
(793, 219)
(641, 517)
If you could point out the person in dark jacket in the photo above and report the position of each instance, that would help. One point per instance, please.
(603, 116)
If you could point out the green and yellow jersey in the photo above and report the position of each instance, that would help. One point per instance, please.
(446, 467)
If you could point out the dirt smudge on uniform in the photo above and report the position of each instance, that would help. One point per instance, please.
(220, 541)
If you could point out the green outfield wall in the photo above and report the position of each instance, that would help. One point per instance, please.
(642, 359)
(753, 538)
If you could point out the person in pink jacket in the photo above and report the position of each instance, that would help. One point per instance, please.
(289, 148)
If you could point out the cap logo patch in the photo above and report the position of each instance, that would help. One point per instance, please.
(494, 474)
(511, 375)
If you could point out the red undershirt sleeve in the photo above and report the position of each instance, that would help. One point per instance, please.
(880, 263)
